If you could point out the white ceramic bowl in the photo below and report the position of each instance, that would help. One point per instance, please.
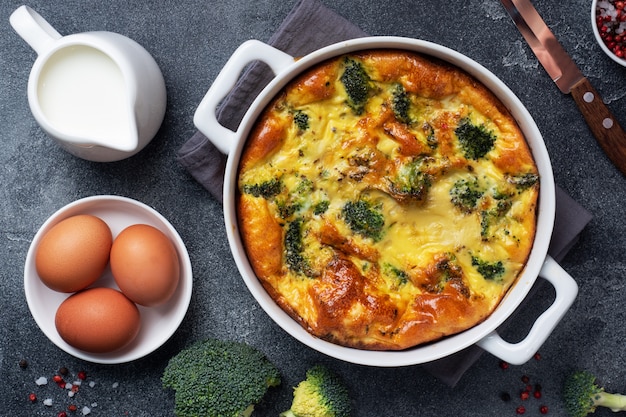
(231, 143)
(157, 323)
(596, 34)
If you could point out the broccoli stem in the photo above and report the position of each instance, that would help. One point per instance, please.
(614, 402)
(248, 411)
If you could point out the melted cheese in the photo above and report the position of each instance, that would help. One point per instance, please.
(420, 277)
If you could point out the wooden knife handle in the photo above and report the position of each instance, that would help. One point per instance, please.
(602, 123)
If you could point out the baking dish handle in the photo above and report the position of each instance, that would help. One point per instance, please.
(519, 353)
(205, 117)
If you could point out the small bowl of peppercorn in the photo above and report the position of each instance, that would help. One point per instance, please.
(608, 19)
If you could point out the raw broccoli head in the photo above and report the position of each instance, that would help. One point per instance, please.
(322, 394)
(218, 378)
(582, 395)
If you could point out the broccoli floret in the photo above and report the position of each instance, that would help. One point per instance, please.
(398, 274)
(364, 219)
(219, 378)
(322, 394)
(321, 207)
(305, 186)
(266, 189)
(489, 270)
(523, 181)
(476, 141)
(468, 195)
(431, 139)
(400, 103)
(411, 183)
(356, 83)
(448, 270)
(582, 395)
(296, 198)
(287, 208)
(491, 217)
(294, 249)
(465, 194)
(301, 119)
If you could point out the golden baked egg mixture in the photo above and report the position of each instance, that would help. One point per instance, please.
(386, 199)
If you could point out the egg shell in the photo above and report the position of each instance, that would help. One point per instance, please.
(145, 265)
(98, 320)
(73, 254)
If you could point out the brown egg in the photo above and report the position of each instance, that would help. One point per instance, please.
(73, 254)
(98, 320)
(145, 265)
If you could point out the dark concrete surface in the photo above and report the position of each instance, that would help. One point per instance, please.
(191, 41)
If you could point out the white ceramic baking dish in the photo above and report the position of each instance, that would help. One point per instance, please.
(231, 143)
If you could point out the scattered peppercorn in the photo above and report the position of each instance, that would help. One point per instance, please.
(61, 378)
(527, 389)
(23, 364)
(58, 379)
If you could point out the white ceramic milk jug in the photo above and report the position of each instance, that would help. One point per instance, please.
(100, 95)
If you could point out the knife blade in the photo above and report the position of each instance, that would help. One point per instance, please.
(570, 80)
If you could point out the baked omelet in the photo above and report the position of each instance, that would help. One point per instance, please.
(386, 200)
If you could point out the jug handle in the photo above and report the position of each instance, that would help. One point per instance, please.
(205, 117)
(33, 28)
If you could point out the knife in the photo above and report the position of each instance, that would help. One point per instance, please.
(564, 72)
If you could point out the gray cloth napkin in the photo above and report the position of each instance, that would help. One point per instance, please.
(310, 26)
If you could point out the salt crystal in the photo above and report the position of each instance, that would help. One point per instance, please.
(68, 385)
(606, 5)
(42, 380)
(116, 384)
(86, 410)
(71, 394)
(78, 382)
(94, 404)
(48, 402)
(92, 384)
